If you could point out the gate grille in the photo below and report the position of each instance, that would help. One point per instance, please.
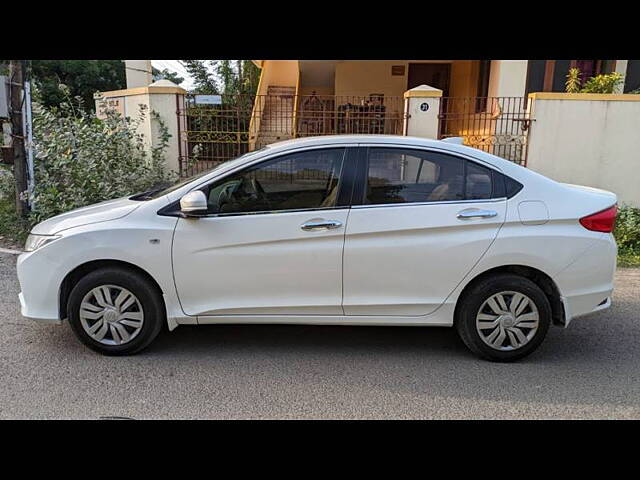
(213, 134)
(497, 125)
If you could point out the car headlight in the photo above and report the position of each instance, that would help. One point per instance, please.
(36, 241)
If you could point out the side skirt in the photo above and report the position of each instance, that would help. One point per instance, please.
(443, 317)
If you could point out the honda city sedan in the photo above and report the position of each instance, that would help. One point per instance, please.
(336, 230)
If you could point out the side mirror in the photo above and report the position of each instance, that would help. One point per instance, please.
(194, 204)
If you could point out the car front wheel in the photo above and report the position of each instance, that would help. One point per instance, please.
(115, 311)
(503, 318)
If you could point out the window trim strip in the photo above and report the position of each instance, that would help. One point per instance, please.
(444, 202)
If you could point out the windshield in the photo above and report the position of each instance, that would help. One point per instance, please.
(166, 188)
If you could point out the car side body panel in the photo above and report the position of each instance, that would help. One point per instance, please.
(143, 240)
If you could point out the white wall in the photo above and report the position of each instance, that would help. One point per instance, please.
(594, 142)
(508, 78)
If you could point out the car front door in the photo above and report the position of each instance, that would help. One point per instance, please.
(272, 241)
(424, 221)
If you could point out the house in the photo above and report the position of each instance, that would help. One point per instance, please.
(483, 100)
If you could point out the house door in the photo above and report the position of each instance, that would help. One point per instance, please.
(435, 75)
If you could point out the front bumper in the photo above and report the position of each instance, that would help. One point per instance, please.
(24, 311)
(40, 277)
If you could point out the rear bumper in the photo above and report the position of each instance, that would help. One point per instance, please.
(578, 306)
(586, 285)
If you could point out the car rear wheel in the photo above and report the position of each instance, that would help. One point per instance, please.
(115, 311)
(503, 318)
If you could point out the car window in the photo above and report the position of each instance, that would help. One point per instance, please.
(478, 185)
(291, 182)
(414, 176)
(404, 176)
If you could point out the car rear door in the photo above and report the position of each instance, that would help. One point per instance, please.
(424, 219)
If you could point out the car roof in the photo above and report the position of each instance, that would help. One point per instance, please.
(325, 140)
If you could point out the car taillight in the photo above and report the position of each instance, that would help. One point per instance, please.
(602, 221)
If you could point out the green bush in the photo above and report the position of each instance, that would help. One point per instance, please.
(627, 233)
(11, 226)
(7, 185)
(603, 83)
(573, 83)
(81, 159)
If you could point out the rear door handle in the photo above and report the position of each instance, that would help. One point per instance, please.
(320, 224)
(470, 213)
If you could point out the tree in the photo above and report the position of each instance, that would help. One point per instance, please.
(205, 83)
(249, 75)
(83, 78)
(166, 74)
(228, 77)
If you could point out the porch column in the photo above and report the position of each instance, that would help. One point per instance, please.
(621, 68)
(162, 98)
(421, 109)
(508, 78)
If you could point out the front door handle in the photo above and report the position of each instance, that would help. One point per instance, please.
(320, 224)
(476, 213)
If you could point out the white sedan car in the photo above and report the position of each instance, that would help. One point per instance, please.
(342, 230)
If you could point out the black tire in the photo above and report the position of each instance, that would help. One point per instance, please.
(146, 293)
(471, 302)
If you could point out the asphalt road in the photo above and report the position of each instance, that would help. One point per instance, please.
(590, 370)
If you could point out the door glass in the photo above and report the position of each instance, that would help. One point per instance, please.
(405, 176)
(478, 184)
(292, 182)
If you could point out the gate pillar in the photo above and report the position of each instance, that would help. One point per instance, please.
(162, 99)
(421, 109)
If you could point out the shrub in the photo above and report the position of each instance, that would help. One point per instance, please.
(573, 83)
(604, 83)
(627, 230)
(627, 233)
(7, 184)
(81, 159)
(11, 226)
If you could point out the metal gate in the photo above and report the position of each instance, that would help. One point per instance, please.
(212, 133)
(235, 124)
(498, 125)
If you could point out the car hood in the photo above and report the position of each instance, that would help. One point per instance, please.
(100, 212)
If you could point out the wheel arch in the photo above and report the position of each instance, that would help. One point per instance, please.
(81, 270)
(540, 278)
